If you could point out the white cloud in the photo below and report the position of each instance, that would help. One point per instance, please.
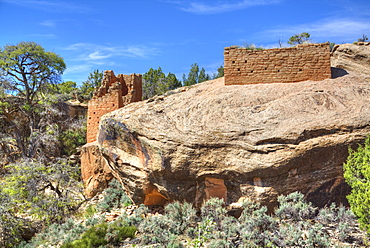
(97, 55)
(89, 51)
(51, 6)
(78, 73)
(342, 30)
(78, 68)
(48, 23)
(216, 8)
(48, 36)
(82, 58)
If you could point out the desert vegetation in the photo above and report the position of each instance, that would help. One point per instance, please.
(40, 181)
(357, 175)
(41, 193)
(294, 223)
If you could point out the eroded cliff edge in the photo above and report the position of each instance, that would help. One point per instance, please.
(237, 141)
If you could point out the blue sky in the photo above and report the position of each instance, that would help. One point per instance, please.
(132, 36)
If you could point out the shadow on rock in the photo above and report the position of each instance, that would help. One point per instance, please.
(338, 72)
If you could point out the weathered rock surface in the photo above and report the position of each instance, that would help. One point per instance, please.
(352, 57)
(255, 141)
(95, 171)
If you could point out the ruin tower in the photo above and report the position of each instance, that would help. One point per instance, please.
(114, 93)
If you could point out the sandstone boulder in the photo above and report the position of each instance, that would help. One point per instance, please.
(95, 170)
(236, 142)
(352, 57)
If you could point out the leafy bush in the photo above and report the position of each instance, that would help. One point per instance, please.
(251, 46)
(90, 211)
(156, 230)
(73, 137)
(43, 191)
(101, 235)
(182, 214)
(298, 224)
(295, 223)
(357, 175)
(114, 197)
(57, 234)
(136, 218)
(257, 227)
(299, 39)
(93, 232)
(342, 218)
(164, 229)
(294, 207)
(10, 225)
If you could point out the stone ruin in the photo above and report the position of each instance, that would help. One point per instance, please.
(280, 65)
(114, 93)
(241, 66)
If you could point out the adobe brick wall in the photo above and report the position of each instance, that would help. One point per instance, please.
(280, 65)
(114, 93)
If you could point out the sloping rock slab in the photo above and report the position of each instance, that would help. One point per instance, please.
(232, 142)
(352, 57)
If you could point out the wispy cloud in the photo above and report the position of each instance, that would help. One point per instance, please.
(82, 58)
(52, 6)
(221, 7)
(47, 36)
(342, 30)
(78, 68)
(98, 55)
(89, 51)
(48, 23)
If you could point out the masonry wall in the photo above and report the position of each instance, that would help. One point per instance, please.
(114, 93)
(280, 65)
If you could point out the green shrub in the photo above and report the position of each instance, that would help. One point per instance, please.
(90, 211)
(251, 46)
(203, 232)
(298, 224)
(156, 230)
(73, 137)
(357, 175)
(48, 192)
(257, 228)
(93, 237)
(118, 231)
(56, 234)
(101, 235)
(136, 218)
(214, 210)
(165, 229)
(294, 207)
(182, 215)
(10, 225)
(114, 197)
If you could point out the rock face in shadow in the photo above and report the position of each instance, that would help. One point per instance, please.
(352, 57)
(235, 142)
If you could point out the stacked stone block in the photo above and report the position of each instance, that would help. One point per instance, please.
(280, 65)
(114, 93)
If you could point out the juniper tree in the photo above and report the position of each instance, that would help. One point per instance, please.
(26, 72)
(299, 38)
(357, 175)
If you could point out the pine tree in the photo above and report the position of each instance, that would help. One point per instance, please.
(155, 82)
(203, 76)
(193, 75)
(172, 81)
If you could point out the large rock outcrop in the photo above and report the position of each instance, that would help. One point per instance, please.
(237, 141)
(352, 57)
